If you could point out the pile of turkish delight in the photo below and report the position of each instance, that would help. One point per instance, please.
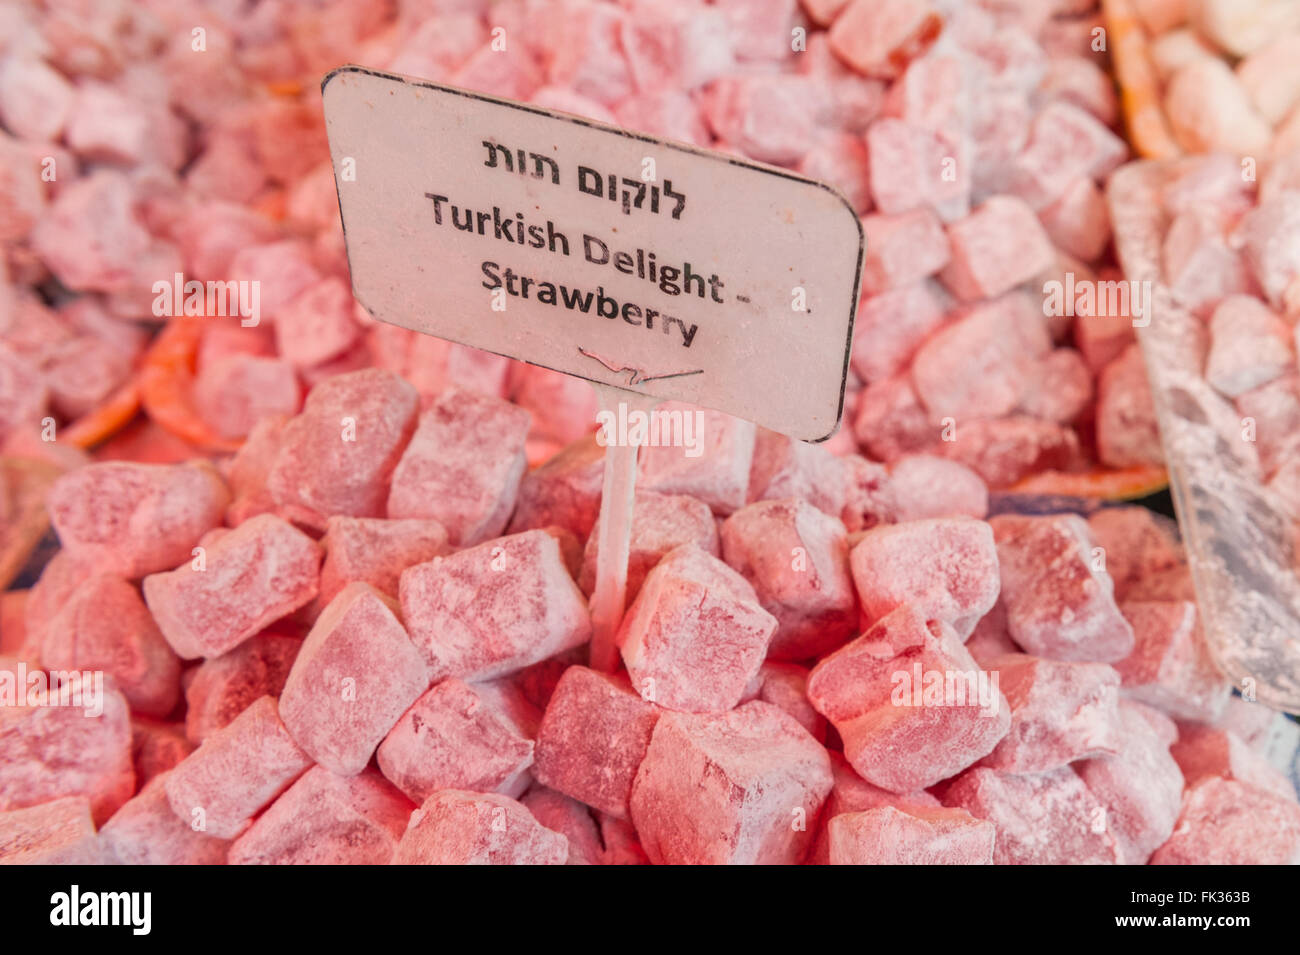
(363, 637)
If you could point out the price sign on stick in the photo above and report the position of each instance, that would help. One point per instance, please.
(652, 269)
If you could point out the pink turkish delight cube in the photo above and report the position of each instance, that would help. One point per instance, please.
(571, 819)
(768, 117)
(880, 37)
(902, 249)
(1066, 143)
(997, 247)
(221, 688)
(1203, 751)
(1058, 388)
(136, 518)
(495, 608)
(924, 486)
(944, 568)
(1079, 221)
(660, 523)
(1224, 822)
(1170, 667)
(338, 455)
(564, 491)
(145, 831)
(710, 463)
(458, 735)
(742, 788)
(59, 832)
(1249, 346)
(235, 392)
(592, 739)
(1141, 786)
(1003, 451)
(851, 793)
(841, 160)
(913, 166)
(156, 747)
(462, 466)
(786, 685)
(1059, 598)
(375, 552)
(979, 366)
(317, 324)
(243, 581)
(325, 819)
(1128, 434)
(909, 702)
(453, 827)
(237, 771)
(72, 739)
(1060, 712)
(891, 325)
(696, 633)
(355, 675)
(914, 836)
(1042, 819)
(104, 625)
(890, 419)
(796, 558)
(1134, 544)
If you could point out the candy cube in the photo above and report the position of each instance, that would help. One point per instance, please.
(1170, 667)
(944, 568)
(1203, 751)
(915, 836)
(324, 819)
(59, 832)
(1210, 111)
(462, 466)
(145, 831)
(768, 117)
(375, 552)
(913, 166)
(570, 818)
(104, 625)
(695, 635)
(338, 455)
(979, 365)
(1140, 787)
(1079, 221)
(156, 747)
(786, 685)
(880, 37)
(234, 393)
(1060, 712)
(1066, 143)
(923, 486)
(453, 827)
(70, 739)
(841, 160)
(565, 491)
(248, 578)
(495, 608)
(35, 100)
(1224, 822)
(356, 673)
(995, 248)
(593, 738)
(851, 793)
(902, 249)
(1249, 346)
(317, 324)
(221, 688)
(1058, 597)
(891, 325)
(741, 788)
(711, 462)
(891, 421)
(796, 558)
(1002, 451)
(237, 771)
(1043, 819)
(1134, 544)
(136, 518)
(457, 735)
(660, 522)
(909, 702)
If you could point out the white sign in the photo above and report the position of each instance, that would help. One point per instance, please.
(620, 258)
